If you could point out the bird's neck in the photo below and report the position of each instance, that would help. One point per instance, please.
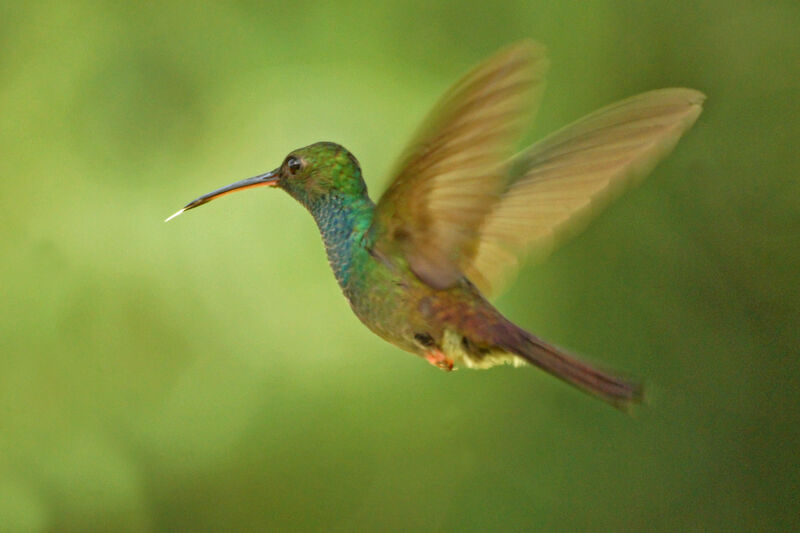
(343, 221)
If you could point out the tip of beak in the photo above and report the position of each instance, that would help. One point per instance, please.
(174, 215)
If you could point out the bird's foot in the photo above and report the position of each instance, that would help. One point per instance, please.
(437, 358)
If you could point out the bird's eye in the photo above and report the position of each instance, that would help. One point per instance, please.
(293, 164)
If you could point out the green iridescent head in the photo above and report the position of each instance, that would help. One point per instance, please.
(317, 171)
(311, 175)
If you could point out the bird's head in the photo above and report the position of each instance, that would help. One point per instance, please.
(310, 175)
(315, 172)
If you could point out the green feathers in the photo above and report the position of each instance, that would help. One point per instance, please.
(324, 169)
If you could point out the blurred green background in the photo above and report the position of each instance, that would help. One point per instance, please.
(208, 375)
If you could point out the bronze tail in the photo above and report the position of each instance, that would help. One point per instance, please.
(614, 390)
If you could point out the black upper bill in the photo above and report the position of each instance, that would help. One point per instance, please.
(270, 179)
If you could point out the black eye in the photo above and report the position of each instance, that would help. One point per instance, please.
(293, 164)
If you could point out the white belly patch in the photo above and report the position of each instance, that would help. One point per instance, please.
(454, 349)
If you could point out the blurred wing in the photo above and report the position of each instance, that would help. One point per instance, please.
(565, 179)
(455, 168)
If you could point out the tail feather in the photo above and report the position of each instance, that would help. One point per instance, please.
(484, 338)
(612, 389)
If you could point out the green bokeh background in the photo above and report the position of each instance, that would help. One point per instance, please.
(208, 375)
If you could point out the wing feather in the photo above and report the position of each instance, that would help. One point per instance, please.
(455, 168)
(565, 179)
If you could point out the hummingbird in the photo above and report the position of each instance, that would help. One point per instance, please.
(463, 208)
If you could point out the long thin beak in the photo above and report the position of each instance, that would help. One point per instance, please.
(270, 179)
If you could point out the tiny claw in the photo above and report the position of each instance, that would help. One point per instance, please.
(440, 360)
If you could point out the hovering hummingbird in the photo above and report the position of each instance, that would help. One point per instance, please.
(418, 266)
